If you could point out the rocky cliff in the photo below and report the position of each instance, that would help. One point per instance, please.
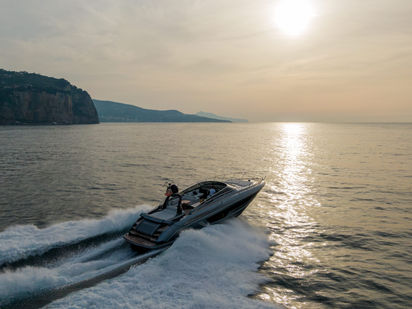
(27, 98)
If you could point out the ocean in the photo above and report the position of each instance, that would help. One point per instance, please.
(331, 228)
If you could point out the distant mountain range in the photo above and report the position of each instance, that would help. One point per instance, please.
(109, 111)
(214, 116)
(29, 98)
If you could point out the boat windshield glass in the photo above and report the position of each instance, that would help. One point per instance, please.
(195, 195)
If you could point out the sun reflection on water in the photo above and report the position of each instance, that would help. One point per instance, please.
(290, 197)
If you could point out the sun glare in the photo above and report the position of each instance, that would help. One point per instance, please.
(293, 17)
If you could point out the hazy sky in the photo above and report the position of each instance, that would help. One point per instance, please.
(352, 62)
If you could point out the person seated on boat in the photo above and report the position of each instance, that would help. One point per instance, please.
(204, 192)
(173, 192)
(211, 192)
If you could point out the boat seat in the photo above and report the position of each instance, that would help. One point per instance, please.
(166, 214)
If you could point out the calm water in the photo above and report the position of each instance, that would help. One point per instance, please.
(331, 228)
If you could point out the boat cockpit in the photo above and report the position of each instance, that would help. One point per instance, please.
(192, 197)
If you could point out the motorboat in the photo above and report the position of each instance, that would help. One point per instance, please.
(204, 203)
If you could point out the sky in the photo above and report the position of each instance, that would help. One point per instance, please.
(315, 60)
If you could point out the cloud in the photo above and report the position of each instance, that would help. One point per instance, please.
(201, 55)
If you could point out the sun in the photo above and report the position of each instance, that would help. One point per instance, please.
(293, 17)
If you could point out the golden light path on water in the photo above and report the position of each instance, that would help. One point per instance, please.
(289, 202)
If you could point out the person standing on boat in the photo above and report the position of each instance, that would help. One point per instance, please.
(172, 192)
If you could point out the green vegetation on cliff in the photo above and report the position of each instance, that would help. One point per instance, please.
(29, 98)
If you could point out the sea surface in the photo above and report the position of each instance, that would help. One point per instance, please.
(332, 228)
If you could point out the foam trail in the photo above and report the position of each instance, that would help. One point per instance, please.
(95, 253)
(19, 242)
(210, 268)
(30, 281)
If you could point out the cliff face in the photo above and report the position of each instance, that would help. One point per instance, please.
(35, 99)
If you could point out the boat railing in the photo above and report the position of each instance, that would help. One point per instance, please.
(244, 175)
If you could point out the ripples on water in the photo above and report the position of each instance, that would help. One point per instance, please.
(337, 204)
